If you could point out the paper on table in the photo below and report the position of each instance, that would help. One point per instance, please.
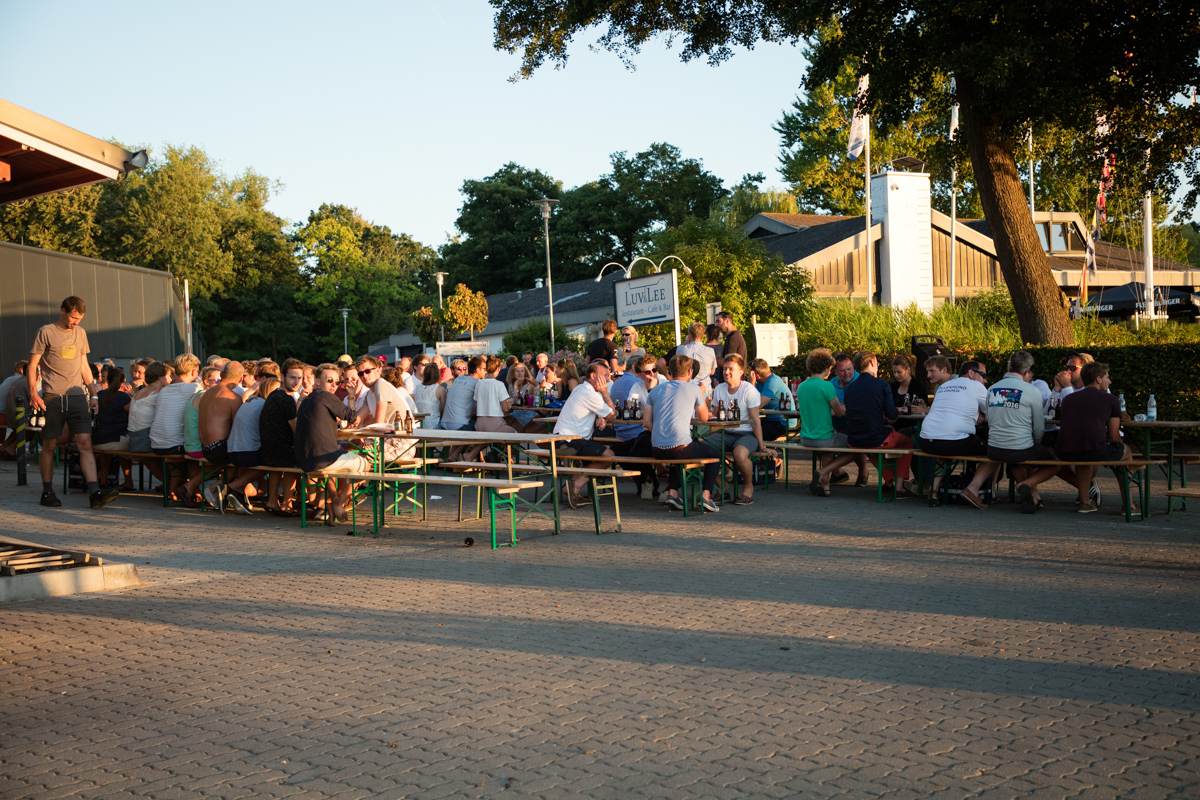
(380, 427)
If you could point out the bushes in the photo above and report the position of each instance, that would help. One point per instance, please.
(534, 336)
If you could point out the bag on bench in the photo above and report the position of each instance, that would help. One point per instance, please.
(760, 471)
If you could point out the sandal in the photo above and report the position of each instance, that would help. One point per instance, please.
(818, 489)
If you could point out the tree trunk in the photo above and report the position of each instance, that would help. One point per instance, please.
(1040, 304)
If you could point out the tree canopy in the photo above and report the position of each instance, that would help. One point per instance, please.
(1016, 65)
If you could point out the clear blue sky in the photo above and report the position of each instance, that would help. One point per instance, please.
(386, 107)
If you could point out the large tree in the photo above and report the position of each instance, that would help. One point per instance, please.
(1016, 65)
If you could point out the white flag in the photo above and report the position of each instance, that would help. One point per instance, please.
(858, 128)
(953, 114)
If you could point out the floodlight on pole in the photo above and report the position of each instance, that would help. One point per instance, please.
(440, 276)
(546, 205)
(345, 335)
(628, 270)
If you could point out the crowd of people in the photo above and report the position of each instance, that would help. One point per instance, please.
(262, 421)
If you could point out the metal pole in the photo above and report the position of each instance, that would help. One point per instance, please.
(187, 313)
(441, 326)
(870, 247)
(549, 287)
(953, 216)
(345, 335)
(1148, 252)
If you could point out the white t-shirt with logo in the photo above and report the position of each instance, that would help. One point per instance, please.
(578, 415)
(957, 404)
(747, 398)
(489, 394)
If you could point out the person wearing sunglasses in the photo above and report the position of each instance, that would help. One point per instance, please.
(317, 446)
(634, 440)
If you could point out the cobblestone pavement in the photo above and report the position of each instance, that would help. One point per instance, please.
(801, 647)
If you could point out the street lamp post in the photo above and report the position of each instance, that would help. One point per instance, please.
(440, 276)
(345, 336)
(546, 204)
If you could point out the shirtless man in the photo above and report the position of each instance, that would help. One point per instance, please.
(217, 407)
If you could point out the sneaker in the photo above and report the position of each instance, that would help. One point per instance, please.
(673, 501)
(572, 495)
(50, 499)
(96, 499)
(647, 491)
(1086, 507)
(109, 493)
(214, 493)
(709, 506)
(863, 480)
(239, 503)
(839, 477)
(1094, 495)
(1028, 504)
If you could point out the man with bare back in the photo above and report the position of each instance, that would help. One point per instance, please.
(217, 407)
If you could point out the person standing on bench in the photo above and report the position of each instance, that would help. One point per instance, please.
(1091, 430)
(1015, 427)
(951, 428)
(635, 386)
(668, 416)
(588, 407)
(317, 446)
(59, 354)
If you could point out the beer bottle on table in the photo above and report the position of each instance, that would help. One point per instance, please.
(720, 411)
(637, 409)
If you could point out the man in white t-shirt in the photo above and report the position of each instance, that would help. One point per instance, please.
(746, 438)
(406, 375)
(703, 359)
(950, 427)
(588, 406)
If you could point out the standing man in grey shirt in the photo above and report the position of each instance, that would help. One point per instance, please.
(59, 353)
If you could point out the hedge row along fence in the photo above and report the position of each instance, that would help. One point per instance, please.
(1171, 372)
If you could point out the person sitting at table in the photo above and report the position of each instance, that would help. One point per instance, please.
(568, 379)
(1091, 430)
(704, 363)
(245, 446)
(210, 377)
(384, 404)
(1070, 378)
(317, 446)
(430, 395)
(492, 404)
(870, 413)
(167, 430)
(937, 371)
(214, 420)
(521, 386)
(743, 439)
(277, 443)
(540, 364)
(908, 389)
(509, 363)
(587, 407)
(459, 411)
(819, 406)
(1015, 427)
(110, 431)
(550, 382)
(635, 386)
(952, 426)
(844, 374)
(772, 389)
(668, 415)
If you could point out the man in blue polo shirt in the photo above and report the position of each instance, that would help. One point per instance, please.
(772, 389)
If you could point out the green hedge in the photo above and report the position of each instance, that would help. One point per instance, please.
(1171, 372)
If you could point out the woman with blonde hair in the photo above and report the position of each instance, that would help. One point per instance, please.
(520, 386)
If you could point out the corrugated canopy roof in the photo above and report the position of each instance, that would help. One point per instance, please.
(40, 156)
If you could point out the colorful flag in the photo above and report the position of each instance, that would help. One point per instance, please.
(953, 114)
(858, 127)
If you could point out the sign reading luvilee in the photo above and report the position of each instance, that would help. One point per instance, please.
(646, 300)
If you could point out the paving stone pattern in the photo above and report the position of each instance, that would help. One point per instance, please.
(801, 647)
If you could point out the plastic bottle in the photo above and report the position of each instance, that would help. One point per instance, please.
(1121, 397)
(1151, 409)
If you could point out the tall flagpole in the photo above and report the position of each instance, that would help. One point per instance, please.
(870, 244)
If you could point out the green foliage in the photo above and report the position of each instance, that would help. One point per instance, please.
(746, 200)
(269, 321)
(533, 336)
(500, 244)
(426, 325)
(63, 221)
(465, 311)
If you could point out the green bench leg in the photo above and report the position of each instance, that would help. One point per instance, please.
(609, 488)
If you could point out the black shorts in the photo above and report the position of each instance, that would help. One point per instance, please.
(67, 410)
(1050, 438)
(1036, 453)
(177, 450)
(581, 447)
(973, 445)
(1113, 451)
(216, 452)
(246, 459)
(773, 429)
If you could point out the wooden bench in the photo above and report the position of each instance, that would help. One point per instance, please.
(691, 476)
(167, 462)
(1135, 471)
(603, 483)
(882, 457)
(17, 556)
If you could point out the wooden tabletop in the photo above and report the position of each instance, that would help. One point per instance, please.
(1160, 423)
(466, 437)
